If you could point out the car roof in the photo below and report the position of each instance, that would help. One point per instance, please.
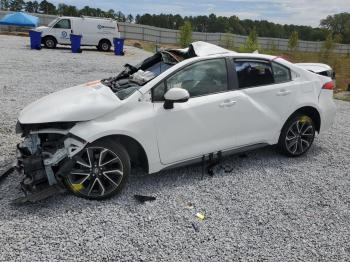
(204, 49)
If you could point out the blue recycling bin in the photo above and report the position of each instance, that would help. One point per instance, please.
(35, 39)
(118, 46)
(75, 41)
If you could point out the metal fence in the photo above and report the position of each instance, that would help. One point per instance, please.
(168, 36)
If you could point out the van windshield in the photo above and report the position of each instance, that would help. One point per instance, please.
(53, 22)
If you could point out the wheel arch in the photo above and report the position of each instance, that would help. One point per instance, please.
(134, 148)
(312, 112)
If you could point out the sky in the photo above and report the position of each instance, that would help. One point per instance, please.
(300, 12)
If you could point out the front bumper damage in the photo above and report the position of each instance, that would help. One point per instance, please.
(43, 159)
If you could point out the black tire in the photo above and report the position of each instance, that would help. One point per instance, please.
(99, 177)
(297, 135)
(49, 42)
(104, 45)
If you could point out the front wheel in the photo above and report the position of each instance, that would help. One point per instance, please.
(104, 45)
(100, 171)
(50, 42)
(297, 136)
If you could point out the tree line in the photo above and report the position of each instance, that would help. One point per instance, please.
(337, 25)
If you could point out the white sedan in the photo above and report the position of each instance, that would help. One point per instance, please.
(174, 108)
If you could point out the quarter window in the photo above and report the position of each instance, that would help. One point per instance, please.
(253, 73)
(281, 73)
(202, 78)
(63, 24)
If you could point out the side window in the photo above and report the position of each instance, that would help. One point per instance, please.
(63, 24)
(281, 73)
(253, 73)
(202, 78)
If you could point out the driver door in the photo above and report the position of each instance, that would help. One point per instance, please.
(62, 30)
(201, 125)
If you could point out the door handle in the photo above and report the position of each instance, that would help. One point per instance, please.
(284, 93)
(228, 103)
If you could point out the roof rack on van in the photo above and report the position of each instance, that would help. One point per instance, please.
(102, 18)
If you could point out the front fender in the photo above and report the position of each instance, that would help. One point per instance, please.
(133, 121)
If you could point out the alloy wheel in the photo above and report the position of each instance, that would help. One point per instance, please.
(300, 136)
(97, 172)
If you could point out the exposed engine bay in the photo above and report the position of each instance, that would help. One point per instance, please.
(44, 157)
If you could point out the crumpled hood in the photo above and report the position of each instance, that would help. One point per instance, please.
(80, 103)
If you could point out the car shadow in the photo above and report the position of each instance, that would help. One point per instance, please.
(154, 184)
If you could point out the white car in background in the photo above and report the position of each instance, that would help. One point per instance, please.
(97, 32)
(174, 108)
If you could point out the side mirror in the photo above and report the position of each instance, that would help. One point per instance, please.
(175, 95)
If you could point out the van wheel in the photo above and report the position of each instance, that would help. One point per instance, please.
(100, 171)
(104, 45)
(50, 42)
(297, 135)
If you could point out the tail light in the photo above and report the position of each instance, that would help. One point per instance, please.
(328, 86)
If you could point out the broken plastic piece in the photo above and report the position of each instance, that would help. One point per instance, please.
(195, 226)
(40, 195)
(77, 187)
(201, 216)
(189, 205)
(8, 169)
(143, 199)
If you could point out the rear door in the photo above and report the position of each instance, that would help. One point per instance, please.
(263, 99)
(62, 30)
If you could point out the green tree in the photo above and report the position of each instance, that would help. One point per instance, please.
(252, 43)
(293, 41)
(338, 24)
(29, 7)
(4, 4)
(110, 14)
(185, 34)
(329, 44)
(16, 5)
(130, 18)
(47, 7)
(35, 7)
(120, 17)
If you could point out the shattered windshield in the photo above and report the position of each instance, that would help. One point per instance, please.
(133, 77)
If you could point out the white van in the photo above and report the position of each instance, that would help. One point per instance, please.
(97, 32)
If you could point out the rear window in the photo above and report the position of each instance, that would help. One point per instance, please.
(281, 73)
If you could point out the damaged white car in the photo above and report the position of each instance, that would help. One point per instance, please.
(176, 107)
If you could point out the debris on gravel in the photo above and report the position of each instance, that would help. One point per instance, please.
(261, 207)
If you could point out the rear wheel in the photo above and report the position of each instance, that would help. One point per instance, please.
(100, 171)
(104, 45)
(297, 135)
(50, 42)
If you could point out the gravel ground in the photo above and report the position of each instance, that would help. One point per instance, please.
(268, 208)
